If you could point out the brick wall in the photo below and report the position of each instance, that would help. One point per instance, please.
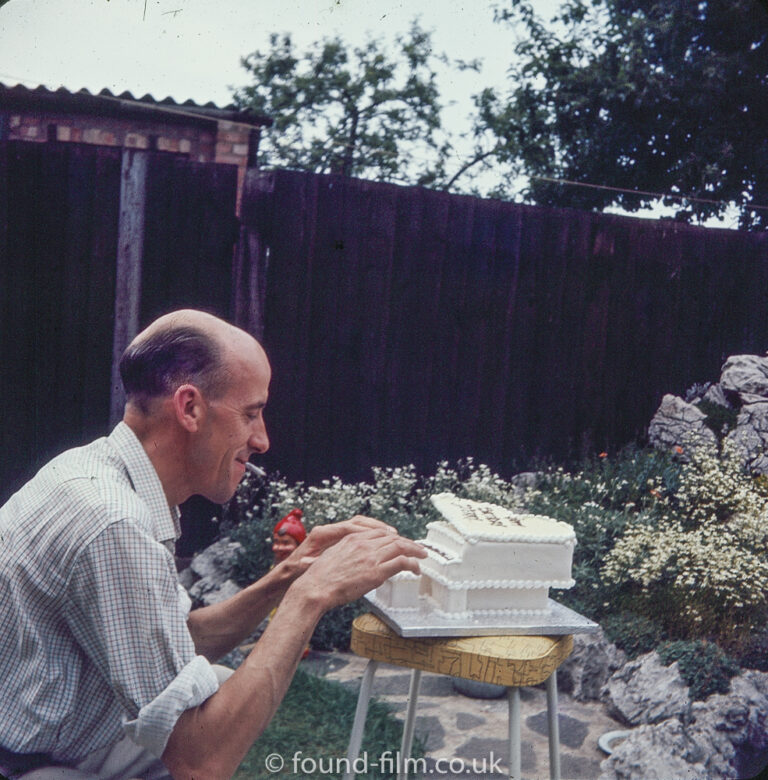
(229, 145)
(199, 144)
(232, 148)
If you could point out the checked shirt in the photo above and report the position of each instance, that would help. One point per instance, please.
(93, 636)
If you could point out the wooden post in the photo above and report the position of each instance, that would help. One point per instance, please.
(251, 257)
(130, 246)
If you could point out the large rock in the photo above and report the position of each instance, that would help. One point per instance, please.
(206, 592)
(725, 737)
(666, 751)
(645, 691)
(680, 424)
(750, 436)
(588, 668)
(716, 395)
(747, 376)
(216, 561)
(212, 573)
(738, 720)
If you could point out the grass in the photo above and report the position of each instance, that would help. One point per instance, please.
(316, 719)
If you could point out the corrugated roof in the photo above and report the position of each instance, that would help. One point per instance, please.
(107, 102)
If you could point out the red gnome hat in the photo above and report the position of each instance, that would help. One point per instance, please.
(291, 524)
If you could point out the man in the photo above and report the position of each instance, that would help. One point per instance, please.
(103, 669)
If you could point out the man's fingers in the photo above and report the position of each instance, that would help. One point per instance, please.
(356, 524)
(402, 546)
(326, 535)
(398, 564)
(363, 521)
(366, 535)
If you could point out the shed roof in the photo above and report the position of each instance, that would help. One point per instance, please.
(106, 103)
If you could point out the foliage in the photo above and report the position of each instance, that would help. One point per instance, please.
(354, 111)
(600, 500)
(333, 630)
(634, 634)
(651, 97)
(702, 553)
(704, 667)
(316, 717)
(720, 419)
(755, 652)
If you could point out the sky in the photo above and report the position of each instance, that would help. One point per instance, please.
(191, 49)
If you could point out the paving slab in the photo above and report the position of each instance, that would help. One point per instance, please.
(473, 732)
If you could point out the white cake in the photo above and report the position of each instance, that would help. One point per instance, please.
(485, 560)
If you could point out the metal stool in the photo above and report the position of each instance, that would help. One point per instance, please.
(512, 661)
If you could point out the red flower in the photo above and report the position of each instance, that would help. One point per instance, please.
(603, 455)
(678, 449)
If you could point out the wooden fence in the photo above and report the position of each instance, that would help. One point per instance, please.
(404, 326)
(95, 242)
(409, 326)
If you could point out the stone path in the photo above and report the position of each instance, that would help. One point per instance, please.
(460, 728)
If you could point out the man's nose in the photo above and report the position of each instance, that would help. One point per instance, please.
(259, 441)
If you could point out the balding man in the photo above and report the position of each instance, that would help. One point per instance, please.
(104, 671)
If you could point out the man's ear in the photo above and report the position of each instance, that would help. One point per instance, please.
(188, 407)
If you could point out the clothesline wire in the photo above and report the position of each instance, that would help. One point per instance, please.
(645, 193)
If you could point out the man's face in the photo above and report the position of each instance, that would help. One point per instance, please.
(234, 427)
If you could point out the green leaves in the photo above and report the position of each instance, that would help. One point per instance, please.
(354, 111)
(661, 97)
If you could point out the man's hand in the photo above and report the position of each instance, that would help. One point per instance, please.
(323, 537)
(358, 562)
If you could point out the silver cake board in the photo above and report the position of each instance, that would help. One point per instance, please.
(424, 622)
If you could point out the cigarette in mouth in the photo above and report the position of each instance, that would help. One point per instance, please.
(255, 469)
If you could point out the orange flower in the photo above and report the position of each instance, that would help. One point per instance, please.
(655, 493)
(678, 449)
(603, 455)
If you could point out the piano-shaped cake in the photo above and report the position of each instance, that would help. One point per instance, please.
(484, 560)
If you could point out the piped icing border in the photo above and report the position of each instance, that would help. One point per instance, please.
(467, 614)
(482, 613)
(494, 584)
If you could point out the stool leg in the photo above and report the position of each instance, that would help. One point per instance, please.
(515, 755)
(407, 743)
(358, 726)
(554, 727)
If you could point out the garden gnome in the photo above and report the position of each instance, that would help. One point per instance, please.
(288, 534)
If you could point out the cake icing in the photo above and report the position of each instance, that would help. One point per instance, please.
(484, 559)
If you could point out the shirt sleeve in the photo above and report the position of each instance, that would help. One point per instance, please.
(125, 612)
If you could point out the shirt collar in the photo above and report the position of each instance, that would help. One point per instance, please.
(146, 483)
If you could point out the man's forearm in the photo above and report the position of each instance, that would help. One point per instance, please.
(219, 628)
(210, 741)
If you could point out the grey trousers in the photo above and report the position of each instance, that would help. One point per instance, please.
(122, 761)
